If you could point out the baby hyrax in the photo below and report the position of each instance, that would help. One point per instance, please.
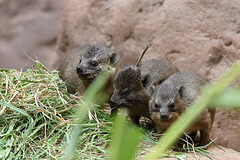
(131, 83)
(79, 68)
(174, 96)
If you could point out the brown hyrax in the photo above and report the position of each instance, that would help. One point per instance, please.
(80, 67)
(174, 96)
(131, 83)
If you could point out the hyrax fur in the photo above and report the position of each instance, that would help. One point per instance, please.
(79, 68)
(131, 83)
(173, 97)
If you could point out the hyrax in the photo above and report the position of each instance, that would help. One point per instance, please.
(174, 96)
(79, 68)
(131, 83)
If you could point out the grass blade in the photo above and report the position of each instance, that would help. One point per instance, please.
(88, 100)
(143, 53)
(228, 99)
(125, 140)
(15, 109)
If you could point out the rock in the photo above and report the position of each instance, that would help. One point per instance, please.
(217, 153)
(198, 35)
(222, 153)
(226, 129)
(31, 27)
(184, 32)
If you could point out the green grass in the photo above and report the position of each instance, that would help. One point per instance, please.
(40, 120)
(34, 114)
(37, 116)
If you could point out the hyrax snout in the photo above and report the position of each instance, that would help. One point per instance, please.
(131, 83)
(171, 98)
(80, 67)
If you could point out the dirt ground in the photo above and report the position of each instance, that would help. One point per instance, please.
(218, 153)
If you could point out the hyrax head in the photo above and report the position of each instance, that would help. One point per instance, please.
(129, 88)
(94, 59)
(166, 103)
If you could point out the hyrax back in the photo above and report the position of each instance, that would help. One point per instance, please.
(173, 97)
(155, 71)
(131, 83)
(80, 67)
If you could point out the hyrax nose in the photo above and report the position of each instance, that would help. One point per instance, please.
(79, 69)
(164, 116)
(112, 101)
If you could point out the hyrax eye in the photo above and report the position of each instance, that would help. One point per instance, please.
(172, 106)
(80, 61)
(125, 93)
(94, 63)
(156, 106)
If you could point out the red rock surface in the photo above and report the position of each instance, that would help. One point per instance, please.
(30, 26)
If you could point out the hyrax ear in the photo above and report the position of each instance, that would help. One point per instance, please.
(181, 91)
(146, 80)
(114, 58)
(150, 90)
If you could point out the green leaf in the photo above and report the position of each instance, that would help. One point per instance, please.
(180, 156)
(125, 140)
(229, 98)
